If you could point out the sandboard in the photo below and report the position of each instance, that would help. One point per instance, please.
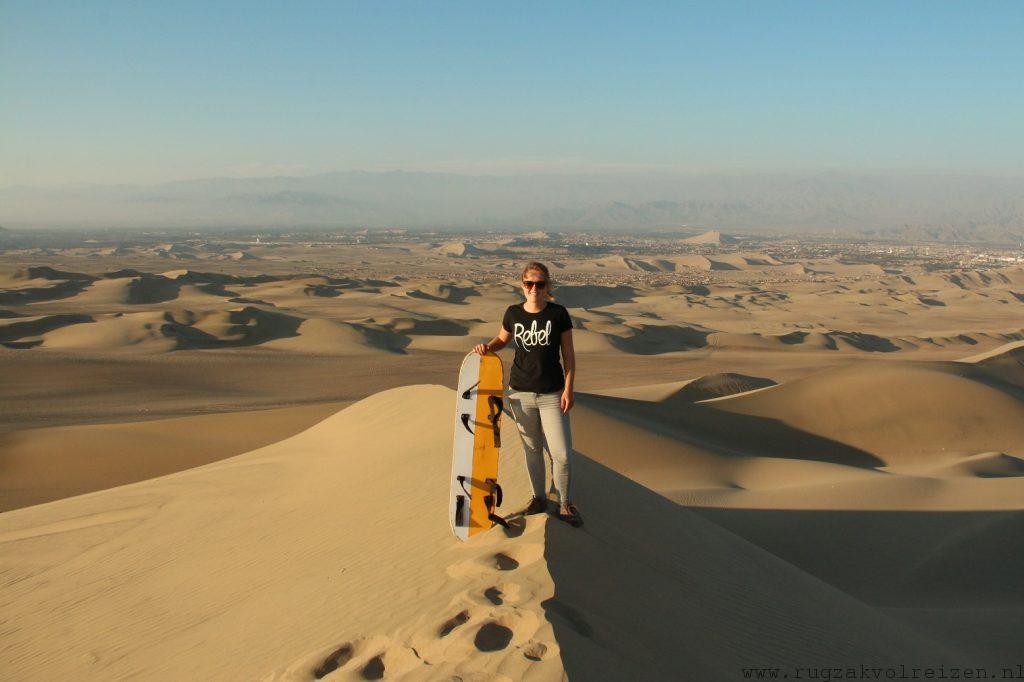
(475, 493)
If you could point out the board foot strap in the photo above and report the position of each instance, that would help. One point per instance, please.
(494, 500)
(496, 405)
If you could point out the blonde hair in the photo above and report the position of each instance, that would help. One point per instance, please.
(540, 267)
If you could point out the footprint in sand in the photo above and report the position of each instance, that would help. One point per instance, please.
(455, 621)
(494, 595)
(335, 660)
(526, 553)
(510, 560)
(494, 625)
(492, 637)
(505, 563)
(502, 593)
(371, 657)
(374, 668)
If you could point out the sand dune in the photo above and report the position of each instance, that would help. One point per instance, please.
(897, 412)
(240, 255)
(46, 464)
(339, 338)
(353, 496)
(460, 250)
(859, 416)
(119, 331)
(27, 332)
(123, 309)
(593, 295)
(745, 261)
(130, 289)
(635, 264)
(587, 341)
(1003, 365)
(713, 237)
(175, 330)
(447, 293)
(133, 287)
(981, 465)
(179, 329)
(717, 386)
(41, 283)
(734, 261)
(618, 318)
(648, 339)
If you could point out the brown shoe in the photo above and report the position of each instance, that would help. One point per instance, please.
(538, 505)
(571, 515)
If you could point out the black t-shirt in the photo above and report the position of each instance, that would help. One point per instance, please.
(538, 340)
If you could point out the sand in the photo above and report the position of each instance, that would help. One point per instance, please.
(242, 474)
(47, 464)
(333, 532)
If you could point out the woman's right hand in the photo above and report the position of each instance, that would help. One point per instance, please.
(480, 349)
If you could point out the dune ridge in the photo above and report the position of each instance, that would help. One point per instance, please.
(530, 602)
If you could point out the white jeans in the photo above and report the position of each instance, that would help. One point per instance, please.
(541, 423)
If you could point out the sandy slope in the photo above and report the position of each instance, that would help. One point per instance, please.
(330, 551)
(41, 465)
(273, 560)
(833, 439)
(794, 471)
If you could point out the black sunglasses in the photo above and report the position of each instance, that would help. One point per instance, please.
(529, 283)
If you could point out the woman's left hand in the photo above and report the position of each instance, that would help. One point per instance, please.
(567, 401)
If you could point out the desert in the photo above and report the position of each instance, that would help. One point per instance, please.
(488, 342)
(225, 456)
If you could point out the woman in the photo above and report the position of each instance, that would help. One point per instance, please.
(540, 393)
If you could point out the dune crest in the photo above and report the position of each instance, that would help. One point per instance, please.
(352, 495)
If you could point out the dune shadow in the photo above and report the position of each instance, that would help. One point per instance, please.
(731, 433)
(649, 589)
(217, 289)
(323, 290)
(593, 295)
(650, 339)
(11, 333)
(1004, 371)
(246, 327)
(795, 338)
(57, 291)
(444, 293)
(867, 342)
(152, 289)
(722, 265)
(895, 558)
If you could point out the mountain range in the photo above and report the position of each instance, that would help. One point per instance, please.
(969, 208)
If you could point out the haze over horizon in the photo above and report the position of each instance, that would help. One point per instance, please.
(798, 114)
(959, 208)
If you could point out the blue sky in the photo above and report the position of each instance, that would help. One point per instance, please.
(148, 92)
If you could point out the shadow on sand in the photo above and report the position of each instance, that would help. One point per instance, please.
(648, 589)
(729, 432)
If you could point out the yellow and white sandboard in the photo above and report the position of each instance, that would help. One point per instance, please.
(475, 493)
